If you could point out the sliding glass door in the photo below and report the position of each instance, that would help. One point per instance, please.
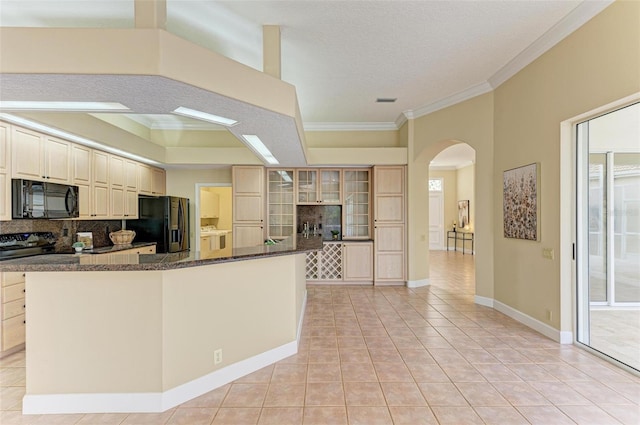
(609, 234)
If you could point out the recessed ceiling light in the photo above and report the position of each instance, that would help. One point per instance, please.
(19, 105)
(216, 119)
(259, 148)
(386, 99)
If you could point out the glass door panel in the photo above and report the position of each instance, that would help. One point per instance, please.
(608, 285)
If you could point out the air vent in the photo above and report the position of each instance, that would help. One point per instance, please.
(386, 99)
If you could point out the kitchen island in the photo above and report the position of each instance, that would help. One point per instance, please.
(156, 330)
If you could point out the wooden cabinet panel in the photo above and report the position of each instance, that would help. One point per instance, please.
(144, 179)
(84, 201)
(5, 148)
(248, 205)
(389, 180)
(248, 180)
(12, 309)
(131, 204)
(80, 165)
(116, 198)
(13, 332)
(158, 181)
(209, 204)
(13, 292)
(131, 174)
(248, 209)
(389, 209)
(247, 235)
(11, 278)
(5, 196)
(57, 160)
(100, 165)
(389, 268)
(389, 253)
(116, 171)
(27, 156)
(319, 186)
(100, 202)
(357, 259)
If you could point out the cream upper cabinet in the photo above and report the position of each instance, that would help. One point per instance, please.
(57, 160)
(100, 164)
(84, 201)
(319, 186)
(116, 171)
(248, 205)
(5, 171)
(131, 174)
(151, 180)
(39, 157)
(389, 197)
(5, 148)
(158, 181)
(356, 210)
(130, 204)
(27, 160)
(144, 179)
(209, 204)
(80, 165)
(281, 203)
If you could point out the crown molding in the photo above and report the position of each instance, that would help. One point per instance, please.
(582, 13)
(467, 94)
(350, 126)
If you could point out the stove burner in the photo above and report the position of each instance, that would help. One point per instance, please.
(15, 245)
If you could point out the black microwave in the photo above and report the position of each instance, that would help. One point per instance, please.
(33, 199)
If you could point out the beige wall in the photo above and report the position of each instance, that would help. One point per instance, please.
(352, 139)
(595, 65)
(468, 122)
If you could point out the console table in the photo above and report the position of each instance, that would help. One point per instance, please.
(459, 236)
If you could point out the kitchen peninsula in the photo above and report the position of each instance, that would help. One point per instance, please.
(144, 333)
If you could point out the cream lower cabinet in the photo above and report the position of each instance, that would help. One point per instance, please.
(357, 261)
(389, 254)
(12, 314)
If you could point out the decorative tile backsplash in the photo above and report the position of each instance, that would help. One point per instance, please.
(328, 217)
(65, 230)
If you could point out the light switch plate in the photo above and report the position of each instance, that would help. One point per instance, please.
(548, 253)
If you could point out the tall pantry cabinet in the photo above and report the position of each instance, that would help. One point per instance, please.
(389, 222)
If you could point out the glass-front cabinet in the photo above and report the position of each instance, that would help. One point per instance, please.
(280, 185)
(319, 187)
(356, 205)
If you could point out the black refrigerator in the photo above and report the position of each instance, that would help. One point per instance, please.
(164, 220)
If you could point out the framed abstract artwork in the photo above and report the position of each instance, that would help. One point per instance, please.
(463, 214)
(521, 202)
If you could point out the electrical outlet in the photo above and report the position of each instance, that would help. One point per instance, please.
(548, 253)
(549, 315)
(217, 356)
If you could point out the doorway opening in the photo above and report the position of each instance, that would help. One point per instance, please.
(608, 234)
(213, 218)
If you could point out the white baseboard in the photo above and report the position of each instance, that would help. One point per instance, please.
(563, 337)
(418, 283)
(33, 404)
(152, 402)
(487, 302)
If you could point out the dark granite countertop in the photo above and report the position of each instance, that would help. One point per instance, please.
(133, 262)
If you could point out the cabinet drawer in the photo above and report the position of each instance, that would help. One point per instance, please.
(13, 332)
(12, 309)
(10, 278)
(13, 292)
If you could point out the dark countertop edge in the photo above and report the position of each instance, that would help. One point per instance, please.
(159, 262)
(111, 248)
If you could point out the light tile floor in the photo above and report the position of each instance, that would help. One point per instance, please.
(392, 355)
